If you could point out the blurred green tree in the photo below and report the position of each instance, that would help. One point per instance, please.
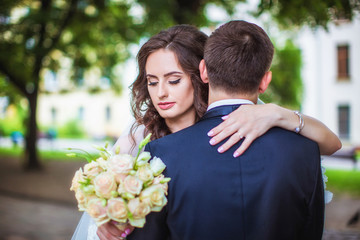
(286, 85)
(96, 33)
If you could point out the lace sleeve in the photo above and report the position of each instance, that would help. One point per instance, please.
(327, 194)
(125, 142)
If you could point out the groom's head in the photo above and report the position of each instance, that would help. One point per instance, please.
(237, 57)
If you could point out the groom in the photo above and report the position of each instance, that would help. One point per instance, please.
(273, 191)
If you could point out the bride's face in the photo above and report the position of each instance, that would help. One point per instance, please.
(170, 89)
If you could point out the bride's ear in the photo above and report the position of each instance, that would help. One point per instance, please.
(203, 72)
(265, 81)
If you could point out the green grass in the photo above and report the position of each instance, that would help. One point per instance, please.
(343, 182)
(43, 155)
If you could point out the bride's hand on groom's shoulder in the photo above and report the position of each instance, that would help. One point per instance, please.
(248, 122)
(108, 231)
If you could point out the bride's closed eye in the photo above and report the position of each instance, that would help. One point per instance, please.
(152, 83)
(175, 81)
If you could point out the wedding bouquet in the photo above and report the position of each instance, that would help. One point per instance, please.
(120, 187)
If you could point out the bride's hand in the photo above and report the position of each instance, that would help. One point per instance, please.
(108, 231)
(248, 122)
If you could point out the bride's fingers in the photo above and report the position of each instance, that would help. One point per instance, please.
(216, 130)
(129, 229)
(235, 138)
(224, 130)
(103, 235)
(223, 134)
(109, 231)
(244, 146)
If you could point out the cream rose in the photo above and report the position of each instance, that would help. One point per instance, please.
(104, 184)
(81, 199)
(117, 210)
(159, 181)
(132, 185)
(97, 211)
(78, 177)
(155, 197)
(92, 169)
(122, 164)
(145, 174)
(157, 166)
(139, 210)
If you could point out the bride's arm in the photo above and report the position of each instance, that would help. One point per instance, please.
(252, 121)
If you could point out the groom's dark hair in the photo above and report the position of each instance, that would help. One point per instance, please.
(237, 56)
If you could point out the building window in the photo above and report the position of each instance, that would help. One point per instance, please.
(344, 121)
(108, 113)
(343, 62)
(81, 113)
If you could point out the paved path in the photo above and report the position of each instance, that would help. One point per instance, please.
(36, 220)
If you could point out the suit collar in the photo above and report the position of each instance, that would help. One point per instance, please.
(220, 111)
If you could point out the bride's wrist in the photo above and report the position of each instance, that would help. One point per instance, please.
(286, 118)
(277, 114)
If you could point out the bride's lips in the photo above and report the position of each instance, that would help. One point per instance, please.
(166, 105)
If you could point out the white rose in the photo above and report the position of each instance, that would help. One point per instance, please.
(143, 158)
(157, 166)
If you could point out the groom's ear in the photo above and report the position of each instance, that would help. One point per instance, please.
(203, 71)
(265, 81)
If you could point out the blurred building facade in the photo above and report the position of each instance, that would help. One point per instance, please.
(101, 113)
(331, 76)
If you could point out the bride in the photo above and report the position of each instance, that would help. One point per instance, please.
(168, 96)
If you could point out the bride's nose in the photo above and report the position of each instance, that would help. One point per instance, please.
(162, 91)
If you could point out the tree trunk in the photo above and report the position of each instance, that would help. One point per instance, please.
(31, 155)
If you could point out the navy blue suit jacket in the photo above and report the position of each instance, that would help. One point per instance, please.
(273, 191)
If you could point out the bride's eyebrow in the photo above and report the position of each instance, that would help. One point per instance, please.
(151, 76)
(172, 73)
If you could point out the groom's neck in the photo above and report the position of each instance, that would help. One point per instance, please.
(218, 94)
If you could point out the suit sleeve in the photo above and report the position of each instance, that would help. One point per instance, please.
(155, 226)
(315, 227)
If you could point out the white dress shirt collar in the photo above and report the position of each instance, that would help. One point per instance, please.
(228, 102)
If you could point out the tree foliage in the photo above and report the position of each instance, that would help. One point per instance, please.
(313, 13)
(286, 85)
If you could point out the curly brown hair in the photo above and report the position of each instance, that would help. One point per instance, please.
(187, 43)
